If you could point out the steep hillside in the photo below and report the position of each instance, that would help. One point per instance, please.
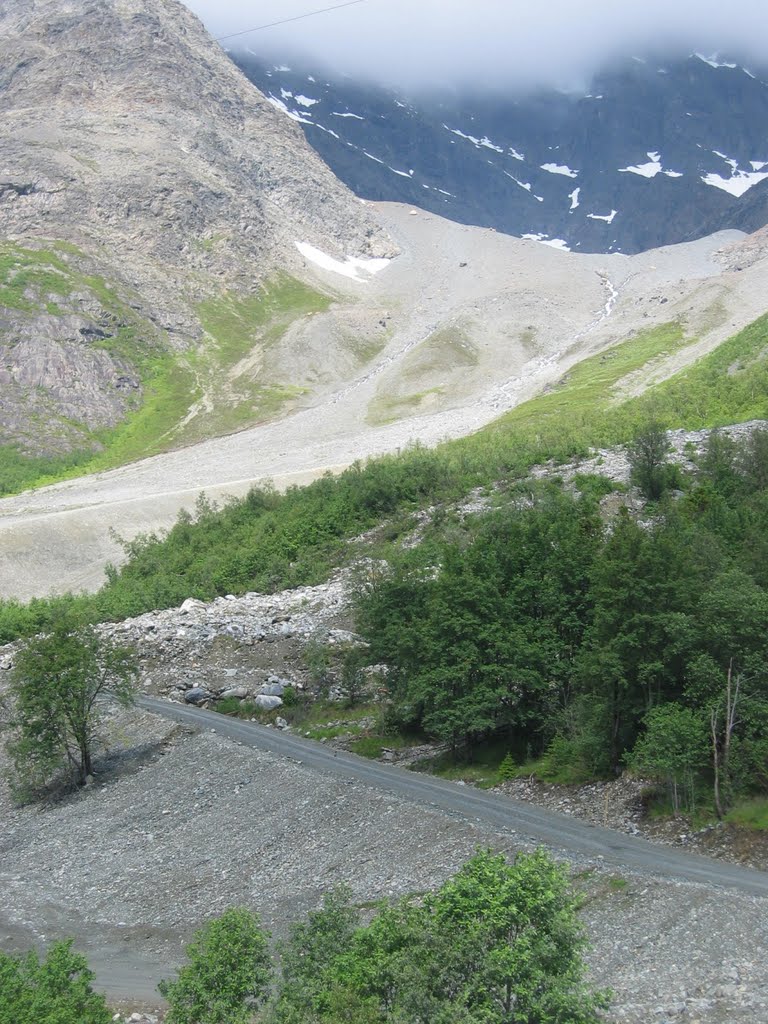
(149, 199)
(653, 152)
(471, 323)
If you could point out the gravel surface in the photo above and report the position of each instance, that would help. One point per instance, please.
(135, 863)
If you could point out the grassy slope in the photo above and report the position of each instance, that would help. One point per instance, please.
(51, 279)
(271, 541)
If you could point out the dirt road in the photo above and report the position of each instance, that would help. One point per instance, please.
(557, 830)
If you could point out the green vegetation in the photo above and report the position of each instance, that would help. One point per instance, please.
(497, 942)
(227, 974)
(55, 704)
(269, 541)
(588, 649)
(56, 990)
(752, 814)
(29, 276)
(617, 884)
(218, 383)
(539, 624)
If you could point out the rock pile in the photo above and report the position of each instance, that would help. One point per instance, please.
(249, 648)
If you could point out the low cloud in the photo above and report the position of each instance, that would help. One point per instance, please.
(422, 43)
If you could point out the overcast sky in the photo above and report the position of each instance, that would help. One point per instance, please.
(423, 42)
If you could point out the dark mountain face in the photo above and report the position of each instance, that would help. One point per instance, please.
(657, 152)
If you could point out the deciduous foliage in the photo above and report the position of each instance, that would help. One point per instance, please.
(488, 641)
(227, 973)
(650, 470)
(60, 682)
(561, 630)
(673, 748)
(499, 942)
(56, 990)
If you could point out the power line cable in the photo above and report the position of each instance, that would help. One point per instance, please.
(285, 21)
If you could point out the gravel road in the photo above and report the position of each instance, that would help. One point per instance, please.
(191, 822)
(556, 830)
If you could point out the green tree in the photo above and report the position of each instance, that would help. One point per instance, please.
(649, 469)
(488, 642)
(353, 678)
(499, 942)
(522, 917)
(228, 972)
(673, 749)
(634, 654)
(56, 990)
(307, 958)
(59, 684)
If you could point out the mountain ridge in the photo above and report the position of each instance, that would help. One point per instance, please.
(656, 151)
(141, 176)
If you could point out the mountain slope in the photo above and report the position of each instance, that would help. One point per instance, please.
(141, 176)
(470, 324)
(654, 152)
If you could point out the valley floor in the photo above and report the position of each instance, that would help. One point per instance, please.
(196, 823)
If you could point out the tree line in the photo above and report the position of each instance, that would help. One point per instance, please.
(594, 645)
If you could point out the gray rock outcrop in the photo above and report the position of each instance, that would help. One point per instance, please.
(140, 174)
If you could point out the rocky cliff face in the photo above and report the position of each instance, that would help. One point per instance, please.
(140, 175)
(653, 152)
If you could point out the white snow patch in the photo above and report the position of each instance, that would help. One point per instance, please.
(554, 243)
(516, 154)
(523, 184)
(278, 67)
(714, 62)
(574, 197)
(739, 182)
(352, 266)
(758, 165)
(306, 101)
(607, 217)
(310, 78)
(728, 159)
(649, 170)
(484, 143)
(328, 131)
(674, 174)
(357, 117)
(293, 114)
(559, 169)
(557, 243)
(286, 94)
(378, 160)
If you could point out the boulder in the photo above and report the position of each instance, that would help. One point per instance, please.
(272, 690)
(267, 703)
(235, 691)
(197, 695)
